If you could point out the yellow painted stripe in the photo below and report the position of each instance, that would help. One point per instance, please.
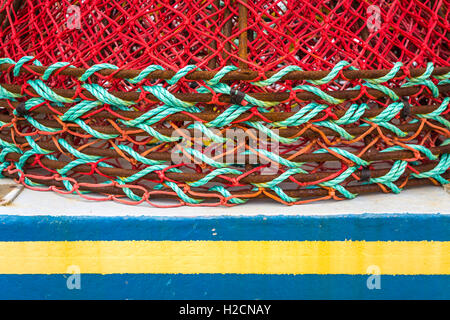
(242, 257)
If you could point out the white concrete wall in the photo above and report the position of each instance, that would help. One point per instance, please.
(429, 199)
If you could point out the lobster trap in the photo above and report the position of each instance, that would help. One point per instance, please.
(218, 102)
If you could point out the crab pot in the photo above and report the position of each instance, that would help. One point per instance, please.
(219, 103)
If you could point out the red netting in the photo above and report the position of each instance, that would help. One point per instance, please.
(314, 35)
(380, 122)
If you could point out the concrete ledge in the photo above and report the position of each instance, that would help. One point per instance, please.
(424, 200)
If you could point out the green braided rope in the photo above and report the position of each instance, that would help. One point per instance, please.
(144, 73)
(47, 93)
(435, 115)
(286, 70)
(105, 97)
(440, 168)
(302, 116)
(212, 175)
(318, 92)
(335, 183)
(270, 133)
(423, 79)
(227, 194)
(89, 72)
(275, 157)
(282, 177)
(172, 105)
(427, 152)
(348, 155)
(394, 174)
(55, 67)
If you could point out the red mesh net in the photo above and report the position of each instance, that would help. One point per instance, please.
(311, 34)
(95, 147)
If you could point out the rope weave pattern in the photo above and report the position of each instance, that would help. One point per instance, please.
(108, 124)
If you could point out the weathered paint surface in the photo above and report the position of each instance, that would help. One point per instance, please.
(368, 227)
(259, 257)
(223, 286)
(240, 257)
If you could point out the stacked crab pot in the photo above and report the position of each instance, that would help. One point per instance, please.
(221, 102)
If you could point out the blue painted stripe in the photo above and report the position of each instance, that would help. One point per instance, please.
(369, 227)
(206, 286)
